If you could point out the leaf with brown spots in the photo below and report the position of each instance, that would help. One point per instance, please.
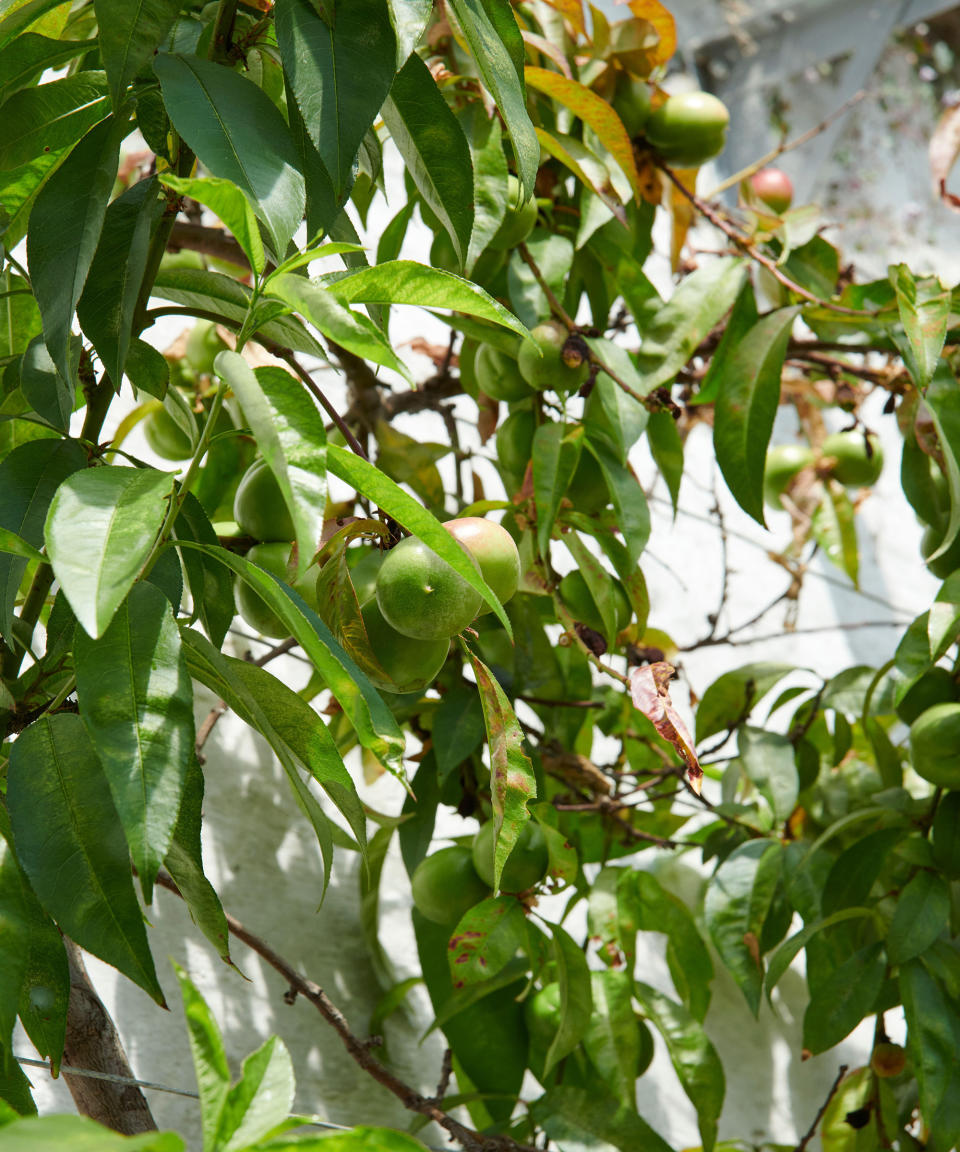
(651, 695)
(486, 939)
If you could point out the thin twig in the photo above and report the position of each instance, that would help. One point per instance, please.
(555, 306)
(287, 355)
(411, 1099)
(811, 1131)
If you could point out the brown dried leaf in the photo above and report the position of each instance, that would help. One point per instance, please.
(650, 692)
(943, 152)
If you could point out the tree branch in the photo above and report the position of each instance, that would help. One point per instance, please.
(811, 1131)
(412, 1100)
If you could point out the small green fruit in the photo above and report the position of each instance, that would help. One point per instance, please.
(515, 442)
(542, 365)
(934, 687)
(519, 220)
(526, 865)
(274, 558)
(165, 437)
(421, 596)
(857, 465)
(784, 461)
(494, 550)
(412, 665)
(259, 507)
(935, 745)
(498, 375)
(689, 129)
(888, 1060)
(446, 886)
(203, 346)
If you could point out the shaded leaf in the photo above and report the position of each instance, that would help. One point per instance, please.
(51, 117)
(129, 32)
(576, 997)
(921, 916)
(843, 999)
(592, 1117)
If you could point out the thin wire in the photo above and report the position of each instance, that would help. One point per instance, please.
(310, 1122)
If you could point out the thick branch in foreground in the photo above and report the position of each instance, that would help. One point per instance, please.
(92, 1042)
(359, 1050)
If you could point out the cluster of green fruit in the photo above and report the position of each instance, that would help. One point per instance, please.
(412, 603)
(855, 459)
(687, 129)
(449, 883)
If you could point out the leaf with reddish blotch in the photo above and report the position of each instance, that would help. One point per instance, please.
(512, 782)
(943, 151)
(654, 13)
(593, 110)
(486, 939)
(651, 696)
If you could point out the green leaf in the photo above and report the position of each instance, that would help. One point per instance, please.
(629, 501)
(841, 1001)
(65, 227)
(100, 529)
(71, 846)
(612, 414)
(324, 308)
(924, 307)
(340, 71)
(490, 39)
(593, 1118)
(406, 282)
(226, 201)
(409, 19)
(15, 15)
(433, 148)
(209, 1059)
(612, 1040)
(51, 117)
(587, 166)
(17, 912)
(136, 700)
(237, 134)
(107, 308)
(358, 1139)
(556, 452)
(553, 255)
(737, 901)
(576, 997)
(943, 403)
(129, 32)
(23, 62)
(490, 174)
(933, 1039)
(855, 871)
(922, 915)
(291, 436)
(784, 956)
(730, 698)
(44, 389)
(594, 111)
(29, 477)
(834, 528)
(203, 291)
(747, 404)
(184, 862)
(694, 1058)
(373, 722)
(12, 545)
(673, 333)
(512, 779)
(147, 369)
(261, 1100)
(81, 1134)
(382, 491)
(487, 938)
(458, 728)
(767, 759)
(211, 584)
(666, 447)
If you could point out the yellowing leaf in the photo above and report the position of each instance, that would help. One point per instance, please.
(593, 110)
(572, 12)
(655, 13)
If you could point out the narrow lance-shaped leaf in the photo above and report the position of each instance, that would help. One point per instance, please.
(556, 452)
(50, 117)
(226, 201)
(237, 133)
(485, 30)
(71, 846)
(291, 436)
(434, 149)
(209, 1059)
(512, 781)
(746, 406)
(833, 526)
(612, 1040)
(323, 59)
(843, 999)
(588, 168)
(694, 1058)
(933, 1037)
(921, 917)
(100, 529)
(23, 62)
(924, 307)
(768, 760)
(943, 402)
(65, 227)
(261, 1100)
(136, 700)
(108, 304)
(129, 31)
(576, 996)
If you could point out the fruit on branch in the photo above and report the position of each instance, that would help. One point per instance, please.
(446, 886)
(858, 455)
(494, 550)
(515, 442)
(542, 363)
(274, 558)
(203, 345)
(631, 99)
(165, 436)
(772, 187)
(519, 220)
(498, 375)
(576, 595)
(259, 507)
(412, 665)
(936, 686)
(526, 865)
(689, 128)
(888, 1060)
(423, 597)
(784, 461)
(935, 745)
